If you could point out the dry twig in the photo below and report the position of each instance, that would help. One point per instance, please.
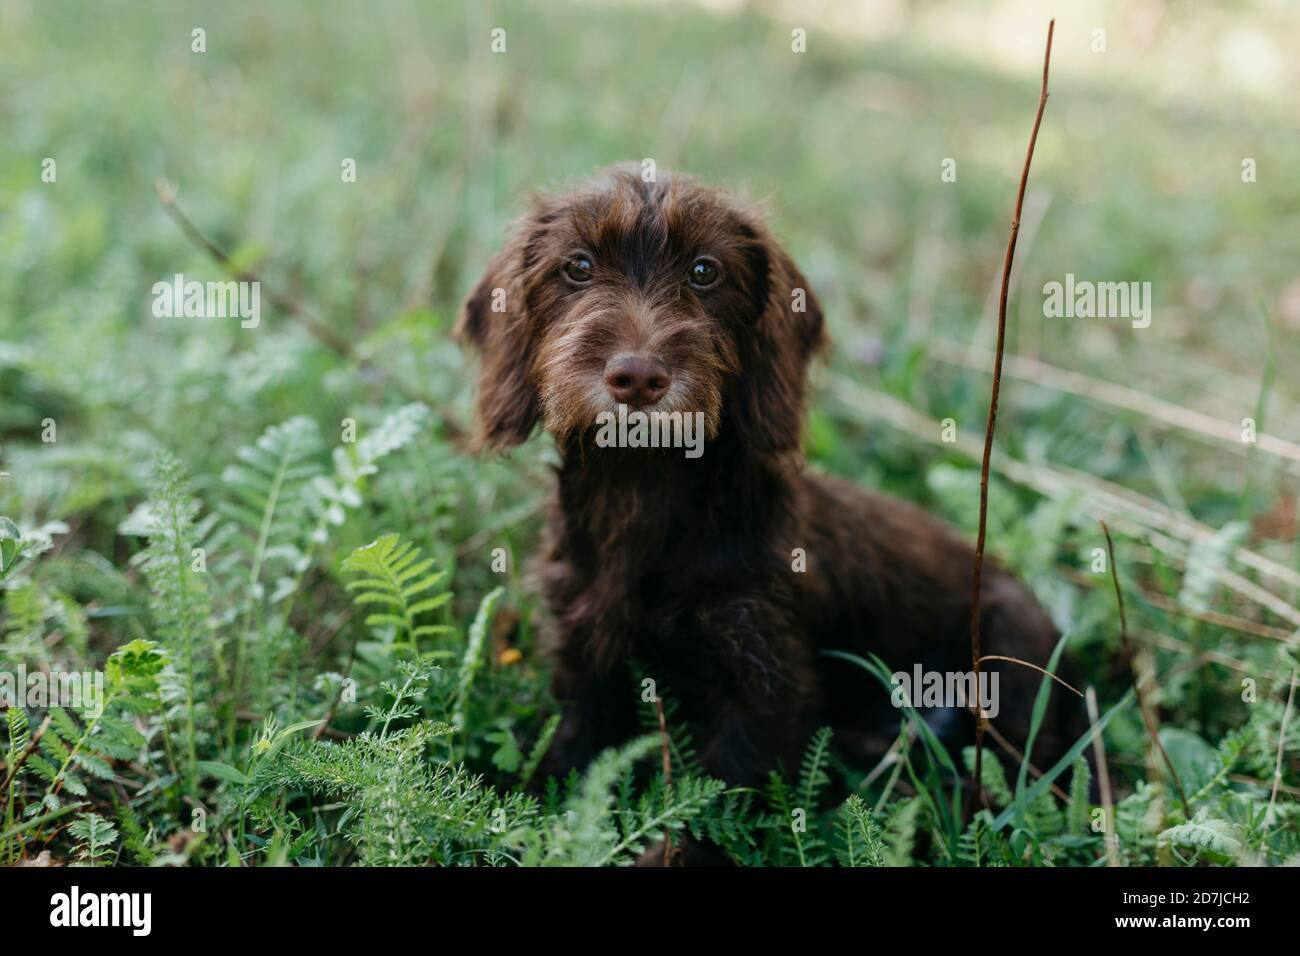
(993, 408)
(1126, 650)
(1103, 781)
(295, 310)
(668, 774)
(1281, 738)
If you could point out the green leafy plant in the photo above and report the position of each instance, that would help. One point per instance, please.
(283, 729)
(96, 837)
(74, 748)
(397, 582)
(861, 842)
(180, 601)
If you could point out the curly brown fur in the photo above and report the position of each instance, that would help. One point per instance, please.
(686, 566)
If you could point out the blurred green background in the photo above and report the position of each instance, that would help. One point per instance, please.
(1137, 177)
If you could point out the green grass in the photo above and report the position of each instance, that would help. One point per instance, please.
(301, 717)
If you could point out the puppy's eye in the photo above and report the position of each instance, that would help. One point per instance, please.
(704, 272)
(578, 267)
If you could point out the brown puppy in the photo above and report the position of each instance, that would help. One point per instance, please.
(721, 577)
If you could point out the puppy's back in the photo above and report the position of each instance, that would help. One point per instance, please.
(888, 578)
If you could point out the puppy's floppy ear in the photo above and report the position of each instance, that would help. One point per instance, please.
(787, 328)
(494, 319)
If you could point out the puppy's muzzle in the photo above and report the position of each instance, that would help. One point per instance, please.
(636, 380)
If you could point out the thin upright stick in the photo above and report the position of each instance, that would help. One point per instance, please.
(976, 655)
(1137, 682)
(668, 774)
(1281, 738)
(1103, 781)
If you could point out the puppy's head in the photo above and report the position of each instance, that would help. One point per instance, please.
(664, 296)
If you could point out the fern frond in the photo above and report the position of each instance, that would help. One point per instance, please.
(901, 829)
(268, 500)
(731, 824)
(1206, 561)
(536, 755)
(860, 836)
(179, 596)
(20, 735)
(70, 749)
(981, 844)
(95, 837)
(394, 578)
(813, 778)
(1206, 833)
(473, 657)
(596, 828)
(135, 840)
(1077, 814)
(795, 826)
(403, 810)
(331, 497)
(995, 777)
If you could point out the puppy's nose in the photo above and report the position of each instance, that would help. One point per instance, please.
(636, 379)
